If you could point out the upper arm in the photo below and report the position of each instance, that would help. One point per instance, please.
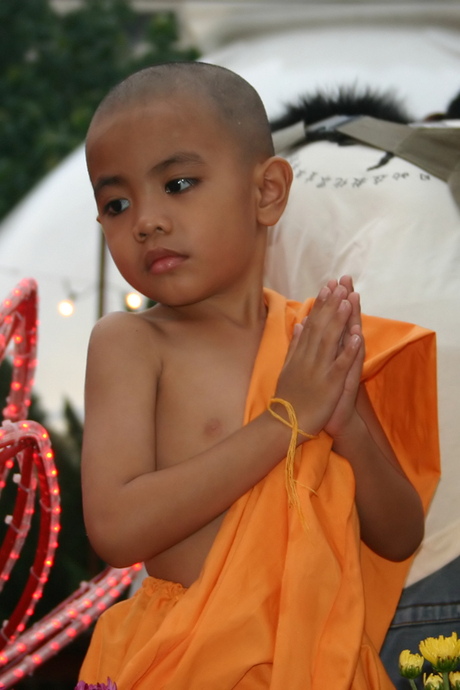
(119, 437)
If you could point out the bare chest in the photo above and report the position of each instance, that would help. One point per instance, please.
(201, 400)
(201, 397)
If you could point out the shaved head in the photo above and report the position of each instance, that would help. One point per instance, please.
(235, 102)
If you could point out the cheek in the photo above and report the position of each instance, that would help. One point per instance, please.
(120, 254)
(116, 237)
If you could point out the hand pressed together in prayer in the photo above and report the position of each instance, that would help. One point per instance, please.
(321, 380)
(323, 366)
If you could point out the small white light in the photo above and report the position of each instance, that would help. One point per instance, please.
(66, 308)
(133, 300)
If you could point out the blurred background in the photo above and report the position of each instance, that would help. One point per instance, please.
(58, 58)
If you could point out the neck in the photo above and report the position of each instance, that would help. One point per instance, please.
(240, 304)
(239, 307)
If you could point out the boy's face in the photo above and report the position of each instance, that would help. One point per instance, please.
(175, 199)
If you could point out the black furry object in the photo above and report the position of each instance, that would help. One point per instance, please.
(347, 101)
(453, 109)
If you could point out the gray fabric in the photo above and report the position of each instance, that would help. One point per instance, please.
(436, 150)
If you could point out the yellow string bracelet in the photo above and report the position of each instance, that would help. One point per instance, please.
(293, 497)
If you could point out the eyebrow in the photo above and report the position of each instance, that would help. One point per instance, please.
(107, 182)
(179, 157)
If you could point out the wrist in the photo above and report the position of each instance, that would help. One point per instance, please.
(350, 433)
(285, 414)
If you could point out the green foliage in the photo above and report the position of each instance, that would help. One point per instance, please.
(55, 69)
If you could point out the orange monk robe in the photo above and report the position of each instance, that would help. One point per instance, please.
(277, 606)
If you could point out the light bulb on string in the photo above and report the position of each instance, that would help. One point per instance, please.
(66, 307)
(133, 301)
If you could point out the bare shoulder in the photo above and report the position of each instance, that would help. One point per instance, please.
(123, 367)
(120, 334)
(120, 329)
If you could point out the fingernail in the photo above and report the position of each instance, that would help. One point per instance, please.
(323, 293)
(355, 340)
(344, 305)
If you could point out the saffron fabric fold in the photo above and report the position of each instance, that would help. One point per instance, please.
(276, 605)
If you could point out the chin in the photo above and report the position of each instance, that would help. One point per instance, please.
(174, 294)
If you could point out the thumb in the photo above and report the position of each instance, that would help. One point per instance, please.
(298, 328)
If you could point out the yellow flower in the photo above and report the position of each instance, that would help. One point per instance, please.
(454, 678)
(410, 665)
(442, 652)
(433, 682)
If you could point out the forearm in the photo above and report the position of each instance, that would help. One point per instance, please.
(153, 511)
(389, 508)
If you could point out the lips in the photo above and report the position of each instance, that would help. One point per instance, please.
(162, 260)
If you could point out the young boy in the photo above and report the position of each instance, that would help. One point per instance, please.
(251, 586)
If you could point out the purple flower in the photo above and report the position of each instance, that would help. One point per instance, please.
(110, 685)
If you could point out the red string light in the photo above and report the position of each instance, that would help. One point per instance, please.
(30, 449)
(60, 627)
(26, 443)
(18, 324)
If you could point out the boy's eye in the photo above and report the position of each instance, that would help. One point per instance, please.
(113, 208)
(179, 185)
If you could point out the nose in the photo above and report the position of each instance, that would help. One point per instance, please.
(148, 224)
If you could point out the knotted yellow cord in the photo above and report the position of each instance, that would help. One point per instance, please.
(293, 496)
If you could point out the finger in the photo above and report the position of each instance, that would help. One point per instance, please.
(347, 357)
(332, 284)
(324, 329)
(321, 309)
(354, 318)
(347, 283)
(355, 314)
(357, 330)
(327, 321)
(320, 301)
(353, 377)
(324, 293)
(327, 296)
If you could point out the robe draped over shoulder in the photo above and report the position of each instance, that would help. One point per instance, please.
(276, 605)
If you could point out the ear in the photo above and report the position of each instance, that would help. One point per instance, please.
(274, 178)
